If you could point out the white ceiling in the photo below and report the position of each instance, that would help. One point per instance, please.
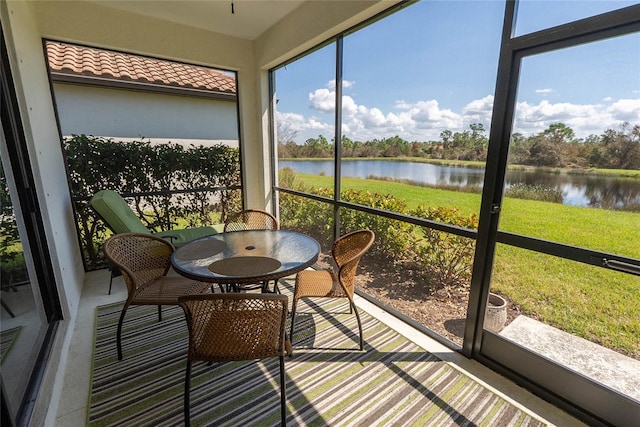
(250, 18)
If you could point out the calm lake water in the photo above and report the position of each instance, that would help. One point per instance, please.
(577, 190)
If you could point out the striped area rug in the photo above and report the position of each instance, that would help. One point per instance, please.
(393, 382)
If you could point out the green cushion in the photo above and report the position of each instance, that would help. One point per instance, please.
(117, 213)
(185, 235)
(121, 219)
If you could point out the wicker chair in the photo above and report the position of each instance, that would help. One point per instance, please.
(229, 327)
(144, 261)
(347, 251)
(116, 213)
(251, 219)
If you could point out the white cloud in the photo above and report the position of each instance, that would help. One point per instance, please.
(345, 84)
(419, 121)
(295, 122)
(372, 117)
(424, 120)
(546, 111)
(299, 123)
(430, 114)
(349, 106)
(479, 111)
(584, 119)
(323, 100)
(626, 109)
(402, 105)
(544, 91)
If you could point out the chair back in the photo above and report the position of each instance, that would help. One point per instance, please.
(117, 213)
(140, 258)
(226, 327)
(347, 251)
(251, 219)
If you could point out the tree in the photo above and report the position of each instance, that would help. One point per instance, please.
(543, 152)
(623, 147)
(347, 146)
(559, 133)
(285, 133)
(394, 147)
(446, 136)
(466, 145)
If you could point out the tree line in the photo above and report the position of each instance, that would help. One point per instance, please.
(556, 146)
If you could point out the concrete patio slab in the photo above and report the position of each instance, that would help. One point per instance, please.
(602, 364)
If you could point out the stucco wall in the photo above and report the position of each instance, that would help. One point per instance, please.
(45, 153)
(127, 114)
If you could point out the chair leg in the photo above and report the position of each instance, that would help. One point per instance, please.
(293, 318)
(187, 392)
(159, 313)
(283, 394)
(265, 287)
(287, 346)
(119, 332)
(110, 278)
(355, 309)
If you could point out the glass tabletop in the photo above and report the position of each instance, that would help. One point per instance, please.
(246, 256)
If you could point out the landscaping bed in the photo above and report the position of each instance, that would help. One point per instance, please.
(443, 311)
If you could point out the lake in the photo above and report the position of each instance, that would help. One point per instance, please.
(577, 190)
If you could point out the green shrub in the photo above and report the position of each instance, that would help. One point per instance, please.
(393, 237)
(534, 192)
(315, 219)
(180, 183)
(308, 216)
(287, 178)
(446, 256)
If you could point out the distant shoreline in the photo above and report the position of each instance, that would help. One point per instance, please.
(622, 173)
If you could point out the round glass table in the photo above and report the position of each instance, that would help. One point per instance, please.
(249, 256)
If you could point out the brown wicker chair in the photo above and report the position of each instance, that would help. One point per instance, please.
(228, 327)
(144, 261)
(251, 219)
(347, 251)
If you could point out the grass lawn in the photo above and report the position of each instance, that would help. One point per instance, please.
(597, 304)
(413, 195)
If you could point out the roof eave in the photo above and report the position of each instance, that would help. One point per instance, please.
(113, 83)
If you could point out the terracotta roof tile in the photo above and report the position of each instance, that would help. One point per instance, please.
(85, 61)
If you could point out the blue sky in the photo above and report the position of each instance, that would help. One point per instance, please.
(432, 67)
